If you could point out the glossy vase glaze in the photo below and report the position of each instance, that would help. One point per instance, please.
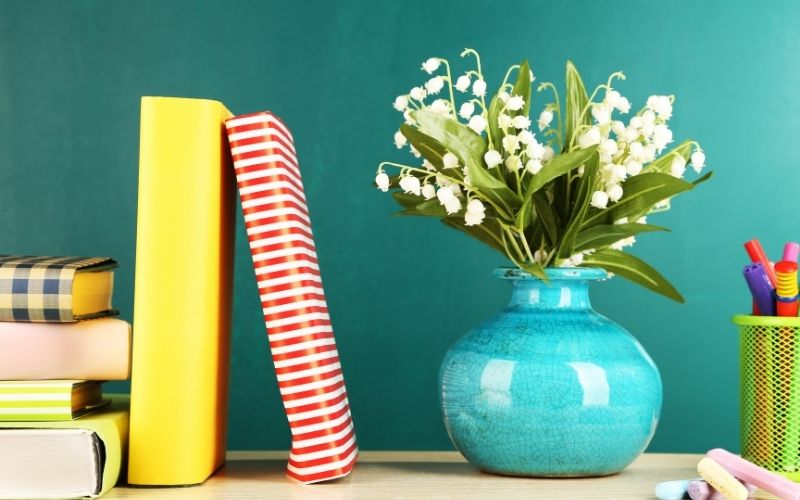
(548, 387)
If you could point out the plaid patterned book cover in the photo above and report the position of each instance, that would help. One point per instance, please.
(39, 289)
(295, 310)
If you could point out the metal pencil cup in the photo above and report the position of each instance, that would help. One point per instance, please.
(769, 363)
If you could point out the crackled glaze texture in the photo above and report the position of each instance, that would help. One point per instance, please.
(548, 387)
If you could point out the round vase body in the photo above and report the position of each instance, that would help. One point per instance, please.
(548, 387)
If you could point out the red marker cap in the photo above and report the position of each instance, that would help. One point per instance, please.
(756, 253)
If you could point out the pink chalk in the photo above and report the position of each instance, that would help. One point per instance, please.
(755, 475)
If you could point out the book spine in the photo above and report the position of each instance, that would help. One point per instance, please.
(295, 311)
(35, 401)
(182, 296)
(37, 289)
(87, 350)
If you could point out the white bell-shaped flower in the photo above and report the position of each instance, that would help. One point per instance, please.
(479, 88)
(462, 84)
(431, 65)
(410, 184)
(401, 102)
(492, 158)
(599, 199)
(545, 118)
(466, 110)
(434, 85)
(399, 140)
(698, 160)
(678, 166)
(449, 160)
(382, 181)
(477, 123)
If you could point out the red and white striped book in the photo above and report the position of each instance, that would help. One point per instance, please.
(295, 311)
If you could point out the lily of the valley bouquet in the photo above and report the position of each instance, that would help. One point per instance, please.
(572, 188)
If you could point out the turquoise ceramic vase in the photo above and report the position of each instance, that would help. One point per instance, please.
(548, 387)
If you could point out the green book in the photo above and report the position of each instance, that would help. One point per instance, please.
(67, 459)
(48, 400)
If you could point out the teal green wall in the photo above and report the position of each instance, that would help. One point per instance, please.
(401, 290)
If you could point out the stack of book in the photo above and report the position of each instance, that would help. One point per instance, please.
(59, 436)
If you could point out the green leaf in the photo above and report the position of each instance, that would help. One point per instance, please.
(494, 128)
(633, 269)
(406, 200)
(522, 87)
(559, 166)
(702, 179)
(525, 215)
(490, 226)
(456, 137)
(431, 149)
(582, 198)
(576, 101)
(469, 147)
(664, 163)
(602, 235)
(548, 219)
(640, 193)
(533, 268)
(416, 205)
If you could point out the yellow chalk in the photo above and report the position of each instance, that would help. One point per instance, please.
(721, 480)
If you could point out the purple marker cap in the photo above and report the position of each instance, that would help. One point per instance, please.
(760, 287)
(790, 251)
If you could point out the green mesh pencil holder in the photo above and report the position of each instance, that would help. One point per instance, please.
(769, 364)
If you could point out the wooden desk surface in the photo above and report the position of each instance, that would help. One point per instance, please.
(418, 475)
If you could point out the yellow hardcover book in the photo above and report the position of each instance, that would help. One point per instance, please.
(182, 298)
(40, 460)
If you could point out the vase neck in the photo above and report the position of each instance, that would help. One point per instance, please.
(557, 294)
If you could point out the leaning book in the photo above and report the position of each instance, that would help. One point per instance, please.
(69, 459)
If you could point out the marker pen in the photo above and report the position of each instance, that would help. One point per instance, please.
(786, 303)
(760, 287)
(790, 251)
(756, 253)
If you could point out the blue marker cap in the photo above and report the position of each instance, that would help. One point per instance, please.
(760, 287)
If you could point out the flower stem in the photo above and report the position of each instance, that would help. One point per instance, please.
(525, 244)
(450, 84)
(507, 235)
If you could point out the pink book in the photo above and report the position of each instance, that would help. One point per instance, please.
(98, 349)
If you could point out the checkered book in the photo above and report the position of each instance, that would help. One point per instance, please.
(40, 289)
(293, 301)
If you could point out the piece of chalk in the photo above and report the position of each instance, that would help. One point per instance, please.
(721, 480)
(673, 490)
(758, 476)
(701, 490)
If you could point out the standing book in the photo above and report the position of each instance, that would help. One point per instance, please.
(182, 297)
(295, 311)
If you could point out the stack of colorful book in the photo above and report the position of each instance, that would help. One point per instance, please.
(59, 436)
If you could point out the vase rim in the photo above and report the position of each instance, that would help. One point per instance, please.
(553, 273)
